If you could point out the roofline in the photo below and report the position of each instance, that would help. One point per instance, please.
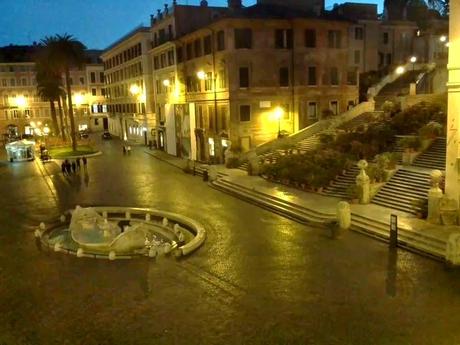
(136, 30)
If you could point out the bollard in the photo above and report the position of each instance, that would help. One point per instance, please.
(393, 231)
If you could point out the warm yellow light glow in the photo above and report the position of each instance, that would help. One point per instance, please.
(134, 89)
(39, 123)
(142, 98)
(447, 44)
(443, 38)
(201, 75)
(278, 113)
(46, 130)
(400, 70)
(79, 99)
(413, 59)
(21, 101)
(32, 124)
(166, 82)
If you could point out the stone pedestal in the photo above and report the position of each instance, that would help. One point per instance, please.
(434, 196)
(253, 162)
(453, 249)
(412, 89)
(212, 173)
(343, 215)
(448, 208)
(363, 183)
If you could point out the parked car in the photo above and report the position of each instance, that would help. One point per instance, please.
(106, 136)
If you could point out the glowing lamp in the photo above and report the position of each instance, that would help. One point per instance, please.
(400, 70)
(201, 75)
(166, 82)
(413, 59)
(134, 89)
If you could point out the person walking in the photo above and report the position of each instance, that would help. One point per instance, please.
(63, 168)
(84, 162)
(74, 167)
(78, 164)
(68, 167)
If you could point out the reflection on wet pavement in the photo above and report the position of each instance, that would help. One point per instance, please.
(259, 278)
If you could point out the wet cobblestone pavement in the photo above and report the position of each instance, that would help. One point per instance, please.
(258, 279)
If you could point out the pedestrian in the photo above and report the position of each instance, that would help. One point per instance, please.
(84, 162)
(128, 149)
(74, 167)
(63, 168)
(124, 149)
(78, 164)
(68, 167)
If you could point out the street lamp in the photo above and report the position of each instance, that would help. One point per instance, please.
(46, 131)
(166, 82)
(134, 89)
(413, 60)
(443, 38)
(201, 75)
(400, 70)
(278, 113)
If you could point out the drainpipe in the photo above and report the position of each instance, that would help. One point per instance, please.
(293, 80)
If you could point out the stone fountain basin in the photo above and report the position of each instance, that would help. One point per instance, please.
(126, 241)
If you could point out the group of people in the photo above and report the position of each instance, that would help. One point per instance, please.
(71, 168)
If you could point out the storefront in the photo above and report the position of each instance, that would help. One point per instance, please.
(22, 150)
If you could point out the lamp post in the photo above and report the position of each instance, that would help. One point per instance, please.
(46, 131)
(413, 60)
(278, 113)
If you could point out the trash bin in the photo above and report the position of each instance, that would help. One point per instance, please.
(205, 175)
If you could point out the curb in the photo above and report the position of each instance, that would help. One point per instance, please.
(91, 155)
(161, 159)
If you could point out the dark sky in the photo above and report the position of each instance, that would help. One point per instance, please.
(97, 23)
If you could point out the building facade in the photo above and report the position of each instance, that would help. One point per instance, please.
(22, 108)
(128, 79)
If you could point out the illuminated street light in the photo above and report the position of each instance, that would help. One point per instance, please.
(21, 101)
(443, 38)
(201, 75)
(447, 44)
(166, 82)
(46, 130)
(278, 113)
(78, 99)
(400, 70)
(134, 89)
(413, 59)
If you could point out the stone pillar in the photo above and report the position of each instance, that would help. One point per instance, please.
(434, 196)
(343, 215)
(253, 162)
(363, 183)
(412, 89)
(453, 87)
(212, 173)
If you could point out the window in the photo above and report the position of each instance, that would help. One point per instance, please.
(385, 38)
(220, 40)
(101, 77)
(243, 38)
(156, 62)
(162, 36)
(334, 39)
(103, 92)
(93, 92)
(4, 82)
(24, 81)
(189, 49)
(381, 59)
(352, 76)
(179, 54)
(244, 76)
(170, 57)
(245, 113)
(334, 106)
(310, 38)
(170, 32)
(284, 76)
(207, 45)
(334, 74)
(312, 75)
(222, 118)
(359, 33)
(163, 60)
(312, 110)
(93, 77)
(357, 57)
(389, 59)
(198, 51)
(208, 81)
(283, 39)
(222, 79)
(82, 80)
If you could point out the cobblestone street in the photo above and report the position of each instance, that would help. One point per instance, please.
(259, 278)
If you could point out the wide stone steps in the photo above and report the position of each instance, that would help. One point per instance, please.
(403, 189)
(340, 184)
(415, 241)
(362, 119)
(434, 157)
(283, 207)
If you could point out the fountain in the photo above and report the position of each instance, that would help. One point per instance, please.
(121, 232)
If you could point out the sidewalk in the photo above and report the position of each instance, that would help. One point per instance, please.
(306, 207)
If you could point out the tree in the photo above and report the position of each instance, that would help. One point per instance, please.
(49, 87)
(64, 52)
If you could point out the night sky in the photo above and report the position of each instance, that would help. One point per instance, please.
(97, 23)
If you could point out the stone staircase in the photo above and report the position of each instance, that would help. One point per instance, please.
(434, 157)
(403, 188)
(340, 184)
(360, 120)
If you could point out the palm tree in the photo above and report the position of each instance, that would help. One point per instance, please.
(49, 86)
(63, 53)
